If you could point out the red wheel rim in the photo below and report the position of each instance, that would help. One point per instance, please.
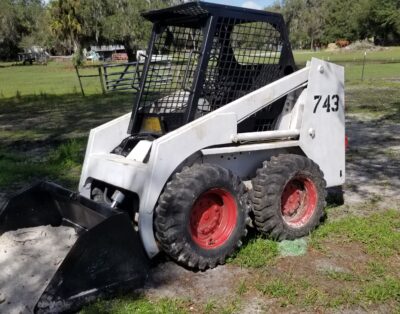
(213, 218)
(298, 201)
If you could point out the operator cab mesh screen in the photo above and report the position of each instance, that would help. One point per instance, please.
(244, 57)
(170, 76)
(195, 65)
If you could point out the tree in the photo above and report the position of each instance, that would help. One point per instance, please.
(41, 35)
(304, 20)
(383, 22)
(8, 24)
(18, 20)
(313, 21)
(66, 23)
(341, 20)
(94, 14)
(117, 22)
(127, 26)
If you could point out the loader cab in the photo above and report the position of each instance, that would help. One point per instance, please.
(202, 56)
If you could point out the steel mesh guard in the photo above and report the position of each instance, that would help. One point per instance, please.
(244, 57)
(169, 78)
(196, 64)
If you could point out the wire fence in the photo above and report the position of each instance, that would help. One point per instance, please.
(125, 77)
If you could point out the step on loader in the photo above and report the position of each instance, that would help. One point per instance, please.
(225, 133)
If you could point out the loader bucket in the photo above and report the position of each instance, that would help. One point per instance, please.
(106, 259)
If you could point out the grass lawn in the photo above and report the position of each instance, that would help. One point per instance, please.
(44, 124)
(52, 79)
(385, 55)
(45, 136)
(60, 78)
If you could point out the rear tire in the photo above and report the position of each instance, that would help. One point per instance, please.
(201, 216)
(288, 197)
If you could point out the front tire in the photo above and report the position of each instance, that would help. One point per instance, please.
(201, 216)
(288, 197)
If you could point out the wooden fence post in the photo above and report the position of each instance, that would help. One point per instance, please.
(80, 82)
(101, 80)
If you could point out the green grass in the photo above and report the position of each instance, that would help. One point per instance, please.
(374, 100)
(278, 288)
(17, 135)
(59, 78)
(385, 289)
(137, 305)
(210, 307)
(226, 307)
(62, 163)
(373, 72)
(15, 168)
(386, 55)
(54, 79)
(44, 136)
(256, 253)
(373, 280)
(378, 233)
(336, 275)
(382, 66)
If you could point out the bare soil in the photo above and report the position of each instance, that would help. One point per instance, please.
(373, 160)
(171, 280)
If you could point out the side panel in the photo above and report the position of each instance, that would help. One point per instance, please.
(322, 134)
(102, 140)
(245, 164)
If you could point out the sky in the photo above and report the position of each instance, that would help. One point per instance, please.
(252, 4)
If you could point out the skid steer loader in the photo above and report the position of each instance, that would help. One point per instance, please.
(225, 132)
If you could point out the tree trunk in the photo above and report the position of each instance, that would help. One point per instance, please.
(130, 50)
(312, 42)
(77, 46)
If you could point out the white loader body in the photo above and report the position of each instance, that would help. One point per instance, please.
(312, 124)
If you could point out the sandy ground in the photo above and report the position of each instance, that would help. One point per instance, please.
(28, 259)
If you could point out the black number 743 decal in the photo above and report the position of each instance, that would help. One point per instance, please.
(330, 99)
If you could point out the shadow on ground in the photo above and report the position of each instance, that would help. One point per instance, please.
(35, 121)
(373, 158)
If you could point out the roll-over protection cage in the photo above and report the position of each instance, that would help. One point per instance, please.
(202, 56)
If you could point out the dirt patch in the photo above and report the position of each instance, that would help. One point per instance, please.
(255, 303)
(334, 258)
(173, 281)
(373, 162)
(28, 259)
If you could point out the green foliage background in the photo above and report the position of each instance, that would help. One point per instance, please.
(315, 22)
(66, 26)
